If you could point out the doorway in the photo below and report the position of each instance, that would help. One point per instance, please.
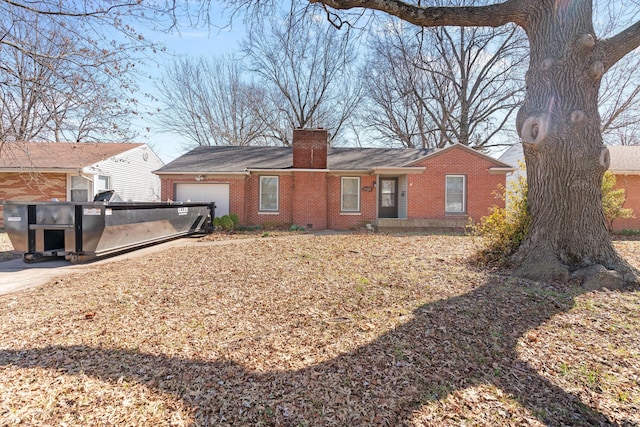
(388, 198)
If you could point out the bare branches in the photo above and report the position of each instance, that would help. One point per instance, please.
(63, 79)
(616, 47)
(306, 65)
(495, 15)
(209, 103)
(433, 87)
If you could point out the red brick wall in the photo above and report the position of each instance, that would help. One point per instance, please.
(631, 185)
(314, 197)
(340, 221)
(310, 148)
(426, 192)
(36, 187)
(310, 196)
(284, 216)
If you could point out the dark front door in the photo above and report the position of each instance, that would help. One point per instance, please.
(388, 198)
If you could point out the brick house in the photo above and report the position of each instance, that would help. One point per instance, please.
(318, 187)
(625, 165)
(77, 171)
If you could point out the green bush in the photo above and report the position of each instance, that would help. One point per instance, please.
(504, 229)
(235, 219)
(225, 222)
(612, 200)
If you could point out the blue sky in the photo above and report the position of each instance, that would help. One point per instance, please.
(191, 42)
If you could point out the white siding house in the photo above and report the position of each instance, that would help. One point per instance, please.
(128, 173)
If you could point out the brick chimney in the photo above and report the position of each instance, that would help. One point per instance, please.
(310, 148)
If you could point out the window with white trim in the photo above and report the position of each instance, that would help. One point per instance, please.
(79, 189)
(350, 194)
(269, 193)
(104, 183)
(455, 194)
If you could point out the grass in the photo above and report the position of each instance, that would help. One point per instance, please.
(318, 330)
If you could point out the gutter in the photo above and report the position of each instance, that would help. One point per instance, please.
(495, 171)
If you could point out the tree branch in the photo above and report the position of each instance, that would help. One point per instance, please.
(493, 15)
(618, 46)
(73, 14)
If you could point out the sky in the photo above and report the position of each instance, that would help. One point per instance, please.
(190, 42)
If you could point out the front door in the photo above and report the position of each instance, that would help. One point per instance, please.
(388, 198)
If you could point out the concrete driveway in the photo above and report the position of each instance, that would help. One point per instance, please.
(16, 275)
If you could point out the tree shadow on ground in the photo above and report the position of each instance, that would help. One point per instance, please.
(382, 383)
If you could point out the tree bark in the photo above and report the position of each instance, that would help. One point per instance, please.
(559, 126)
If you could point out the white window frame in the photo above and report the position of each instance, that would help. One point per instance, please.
(464, 194)
(98, 189)
(277, 208)
(342, 194)
(87, 187)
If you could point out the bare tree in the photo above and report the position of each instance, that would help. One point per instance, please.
(208, 102)
(306, 67)
(67, 69)
(620, 88)
(438, 86)
(396, 113)
(558, 123)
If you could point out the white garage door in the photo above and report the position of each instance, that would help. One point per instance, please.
(218, 193)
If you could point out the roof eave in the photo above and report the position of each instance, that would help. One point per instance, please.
(389, 170)
(41, 170)
(500, 170)
(625, 172)
(208, 173)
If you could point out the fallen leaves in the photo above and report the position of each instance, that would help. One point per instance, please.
(318, 330)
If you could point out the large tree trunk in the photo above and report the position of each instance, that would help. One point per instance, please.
(559, 126)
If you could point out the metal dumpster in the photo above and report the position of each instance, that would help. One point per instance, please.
(81, 231)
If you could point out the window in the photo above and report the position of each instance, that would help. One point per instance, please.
(104, 183)
(455, 194)
(79, 189)
(350, 194)
(268, 193)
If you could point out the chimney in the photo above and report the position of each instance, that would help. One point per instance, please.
(310, 148)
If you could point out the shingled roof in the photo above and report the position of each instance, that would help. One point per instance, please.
(625, 159)
(58, 155)
(240, 159)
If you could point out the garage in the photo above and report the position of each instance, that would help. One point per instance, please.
(196, 192)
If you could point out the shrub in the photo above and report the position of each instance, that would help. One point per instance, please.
(225, 223)
(235, 219)
(613, 200)
(504, 229)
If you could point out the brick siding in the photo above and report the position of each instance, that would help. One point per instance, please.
(35, 187)
(426, 192)
(631, 186)
(313, 198)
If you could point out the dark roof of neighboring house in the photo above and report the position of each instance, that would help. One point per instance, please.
(58, 155)
(238, 159)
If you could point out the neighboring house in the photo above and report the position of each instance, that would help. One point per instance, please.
(78, 171)
(317, 187)
(624, 163)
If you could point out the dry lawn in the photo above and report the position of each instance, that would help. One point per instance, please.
(6, 248)
(342, 330)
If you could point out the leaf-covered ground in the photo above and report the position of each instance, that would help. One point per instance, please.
(340, 330)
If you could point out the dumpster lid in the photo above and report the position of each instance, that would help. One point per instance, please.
(107, 196)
